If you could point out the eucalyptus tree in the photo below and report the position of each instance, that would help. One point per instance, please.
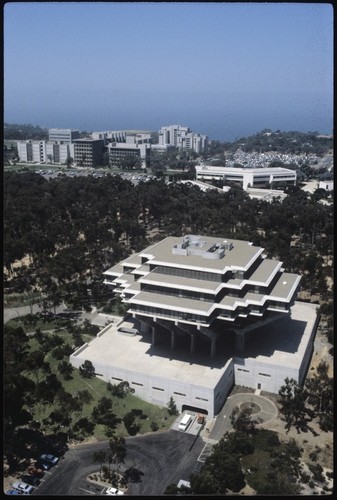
(293, 399)
(118, 450)
(87, 370)
(100, 457)
(36, 364)
(320, 396)
(66, 369)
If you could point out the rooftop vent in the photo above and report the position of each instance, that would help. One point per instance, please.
(196, 245)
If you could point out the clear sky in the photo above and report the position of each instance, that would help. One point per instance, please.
(223, 69)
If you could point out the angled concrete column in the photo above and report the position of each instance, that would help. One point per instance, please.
(153, 341)
(239, 342)
(173, 338)
(192, 344)
(213, 347)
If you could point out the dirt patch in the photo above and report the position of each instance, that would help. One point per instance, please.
(25, 261)
(315, 443)
(253, 407)
(321, 353)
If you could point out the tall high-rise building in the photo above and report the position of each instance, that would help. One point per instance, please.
(182, 138)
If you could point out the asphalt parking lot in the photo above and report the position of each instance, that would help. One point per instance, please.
(155, 460)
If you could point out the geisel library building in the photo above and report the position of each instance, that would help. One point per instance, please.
(205, 314)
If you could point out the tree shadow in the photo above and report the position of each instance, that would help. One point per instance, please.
(133, 475)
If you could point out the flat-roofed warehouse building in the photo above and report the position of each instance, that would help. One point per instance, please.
(247, 177)
(197, 306)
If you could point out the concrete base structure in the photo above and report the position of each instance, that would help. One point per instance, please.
(175, 364)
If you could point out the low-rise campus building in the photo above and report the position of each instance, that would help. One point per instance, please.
(247, 177)
(88, 152)
(44, 151)
(63, 135)
(58, 149)
(204, 314)
(119, 151)
(123, 136)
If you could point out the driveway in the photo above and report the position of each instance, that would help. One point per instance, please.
(264, 411)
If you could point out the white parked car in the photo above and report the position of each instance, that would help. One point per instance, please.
(24, 488)
(114, 491)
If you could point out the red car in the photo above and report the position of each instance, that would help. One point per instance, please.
(35, 471)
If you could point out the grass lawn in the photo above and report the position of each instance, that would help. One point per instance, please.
(149, 414)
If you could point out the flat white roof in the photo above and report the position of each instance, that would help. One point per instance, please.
(284, 341)
(243, 171)
(241, 256)
(281, 342)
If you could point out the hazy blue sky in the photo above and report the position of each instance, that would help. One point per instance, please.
(224, 69)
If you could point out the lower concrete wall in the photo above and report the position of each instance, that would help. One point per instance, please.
(158, 390)
(308, 353)
(262, 375)
(224, 386)
(254, 372)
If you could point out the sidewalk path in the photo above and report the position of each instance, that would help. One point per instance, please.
(95, 317)
(18, 312)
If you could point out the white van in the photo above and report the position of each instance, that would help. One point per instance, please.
(185, 421)
(23, 488)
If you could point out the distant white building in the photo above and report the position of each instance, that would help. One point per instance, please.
(45, 151)
(327, 185)
(161, 148)
(62, 135)
(182, 138)
(123, 136)
(247, 177)
(57, 149)
(119, 150)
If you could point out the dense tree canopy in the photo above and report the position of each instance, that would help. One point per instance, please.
(69, 230)
(24, 132)
(77, 227)
(284, 142)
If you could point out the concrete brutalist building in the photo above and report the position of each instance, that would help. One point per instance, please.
(205, 313)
